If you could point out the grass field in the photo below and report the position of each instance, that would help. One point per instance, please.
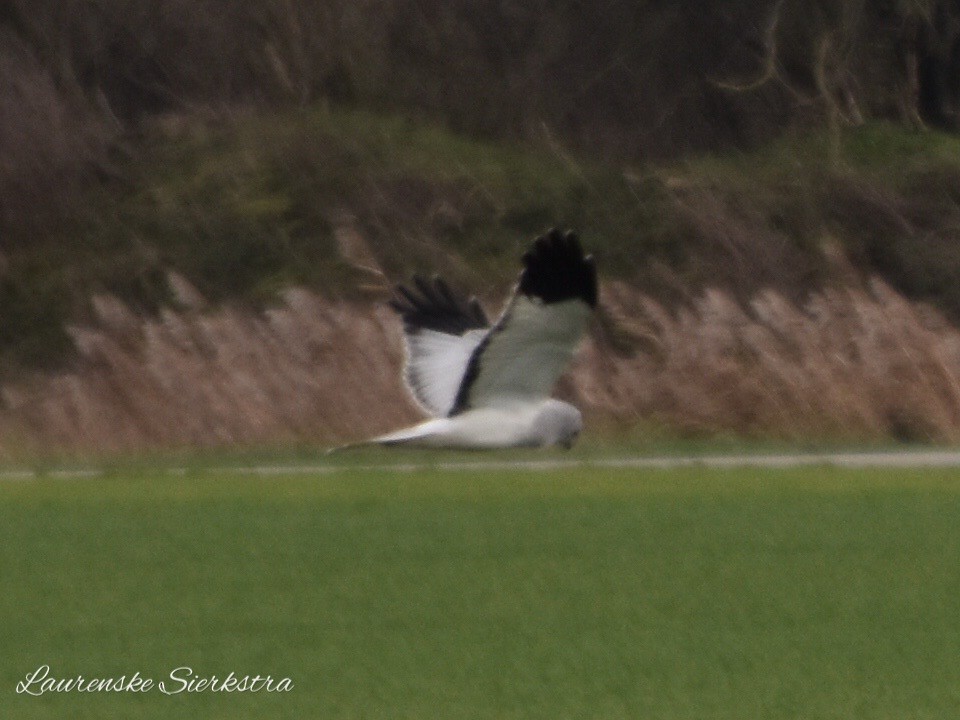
(688, 593)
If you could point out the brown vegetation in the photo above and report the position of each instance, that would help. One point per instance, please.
(851, 364)
(846, 364)
(308, 370)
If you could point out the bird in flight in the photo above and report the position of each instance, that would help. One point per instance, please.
(488, 386)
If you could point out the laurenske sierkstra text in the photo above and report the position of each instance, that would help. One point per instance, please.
(179, 680)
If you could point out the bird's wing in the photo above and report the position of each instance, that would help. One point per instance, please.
(531, 343)
(441, 332)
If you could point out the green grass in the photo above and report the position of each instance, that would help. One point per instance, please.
(245, 206)
(586, 593)
(263, 194)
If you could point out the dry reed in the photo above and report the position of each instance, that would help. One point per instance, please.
(848, 364)
(853, 364)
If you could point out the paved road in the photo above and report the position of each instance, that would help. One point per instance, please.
(891, 459)
(905, 459)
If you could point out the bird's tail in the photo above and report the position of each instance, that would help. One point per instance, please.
(415, 434)
(400, 437)
(348, 446)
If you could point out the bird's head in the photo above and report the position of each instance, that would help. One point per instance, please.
(559, 423)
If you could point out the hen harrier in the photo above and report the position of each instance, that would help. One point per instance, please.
(488, 386)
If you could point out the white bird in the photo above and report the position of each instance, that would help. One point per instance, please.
(489, 386)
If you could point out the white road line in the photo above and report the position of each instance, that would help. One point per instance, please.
(17, 475)
(75, 473)
(892, 459)
(889, 459)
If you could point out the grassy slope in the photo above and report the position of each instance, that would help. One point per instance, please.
(694, 593)
(247, 206)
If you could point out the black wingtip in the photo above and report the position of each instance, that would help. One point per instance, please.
(432, 305)
(555, 269)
